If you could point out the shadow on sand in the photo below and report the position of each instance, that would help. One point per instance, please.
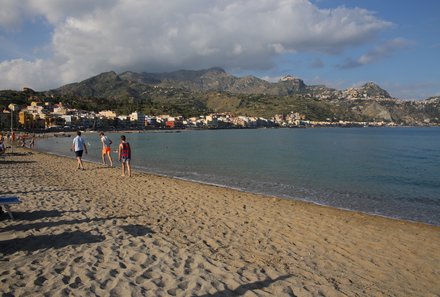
(38, 214)
(38, 191)
(42, 242)
(41, 225)
(15, 162)
(18, 154)
(137, 230)
(241, 290)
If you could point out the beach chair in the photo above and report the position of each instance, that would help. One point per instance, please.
(6, 201)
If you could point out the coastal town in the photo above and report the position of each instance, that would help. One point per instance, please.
(40, 116)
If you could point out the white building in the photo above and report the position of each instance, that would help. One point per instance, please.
(138, 118)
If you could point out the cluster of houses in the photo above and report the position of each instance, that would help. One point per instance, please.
(44, 116)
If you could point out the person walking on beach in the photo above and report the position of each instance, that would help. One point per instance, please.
(106, 142)
(32, 143)
(124, 156)
(2, 147)
(79, 146)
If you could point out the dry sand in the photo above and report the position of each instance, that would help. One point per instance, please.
(94, 233)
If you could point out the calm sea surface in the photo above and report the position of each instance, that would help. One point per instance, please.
(393, 172)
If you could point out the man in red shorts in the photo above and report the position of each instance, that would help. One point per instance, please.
(106, 150)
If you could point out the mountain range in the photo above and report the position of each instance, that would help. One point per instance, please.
(197, 92)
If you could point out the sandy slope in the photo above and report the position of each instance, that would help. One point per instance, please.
(94, 233)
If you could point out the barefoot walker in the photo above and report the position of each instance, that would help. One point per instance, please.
(124, 156)
(106, 150)
(78, 146)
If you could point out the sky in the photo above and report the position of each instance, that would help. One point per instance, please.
(49, 43)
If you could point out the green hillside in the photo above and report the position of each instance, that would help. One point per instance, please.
(193, 93)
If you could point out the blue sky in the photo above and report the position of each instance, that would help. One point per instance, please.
(49, 43)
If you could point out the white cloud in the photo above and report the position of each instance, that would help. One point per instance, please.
(13, 13)
(376, 54)
(20, 73)
(94, 36)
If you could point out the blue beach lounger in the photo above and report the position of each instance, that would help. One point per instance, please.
(6, 201)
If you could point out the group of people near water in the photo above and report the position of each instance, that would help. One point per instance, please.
(124, 152)
(21, 138)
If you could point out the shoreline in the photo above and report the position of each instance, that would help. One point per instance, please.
(270, 196)
(178, 130)
(94, 233)
(286, 197)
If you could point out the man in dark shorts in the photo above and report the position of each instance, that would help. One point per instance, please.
(79, 146)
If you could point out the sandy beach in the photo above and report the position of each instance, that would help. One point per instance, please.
(95, 233)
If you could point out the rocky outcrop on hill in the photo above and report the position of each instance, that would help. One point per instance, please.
(367, 91)
(377, 112)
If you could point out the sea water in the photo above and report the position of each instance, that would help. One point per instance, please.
(393, 172)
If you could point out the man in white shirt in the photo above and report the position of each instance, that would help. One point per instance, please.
(79, 146)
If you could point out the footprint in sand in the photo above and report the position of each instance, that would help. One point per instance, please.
(40, 281)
